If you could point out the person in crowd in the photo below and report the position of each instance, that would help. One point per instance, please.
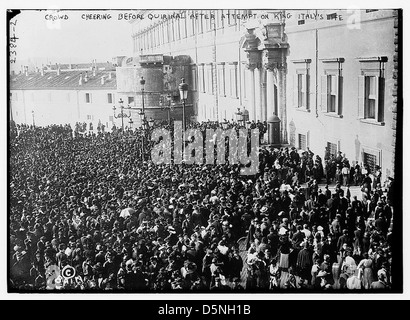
(94, 201)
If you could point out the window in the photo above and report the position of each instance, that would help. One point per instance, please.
(371, 90)
(88, 98)
(109, 98)
(130, 100)
(194, 73)
(332, 147)
(371, 157)
(221, 79)
(200, 24)
(171, 30)
(89, 117)
(162, 33)
(370, 97)
(231, 17)
(201, 78)
(233, 79)
(183, 28)
(178, 29)
(332, 87)
(369, 160)
(301, 82)
(210, 21)
(302, 141)
(153, 37)
(209, 82)
(219, 19)
(192, 24)
(302, 91)
(332, 16)
(333, 92)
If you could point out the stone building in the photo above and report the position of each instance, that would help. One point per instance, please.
(329, 75)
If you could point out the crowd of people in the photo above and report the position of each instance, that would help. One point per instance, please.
(96, 203)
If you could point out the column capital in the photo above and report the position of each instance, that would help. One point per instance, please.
(273, 59)
(254, 59)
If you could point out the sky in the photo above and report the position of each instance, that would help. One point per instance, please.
(70, 38)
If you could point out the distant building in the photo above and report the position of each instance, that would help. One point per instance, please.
(60, 94)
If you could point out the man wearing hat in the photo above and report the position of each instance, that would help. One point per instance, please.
(324, 284)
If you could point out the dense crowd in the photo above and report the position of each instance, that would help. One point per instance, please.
(94, 202)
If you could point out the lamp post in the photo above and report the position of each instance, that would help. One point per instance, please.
(183, 93)
(142, 118)
(238, 115)
(122, 114)
(32, 112)
(131, 123)
(142, 83)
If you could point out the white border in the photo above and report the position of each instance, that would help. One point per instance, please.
(120, 4)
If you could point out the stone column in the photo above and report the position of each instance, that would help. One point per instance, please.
(282, 101)
(254, 66)
(257, 84)
(263, 112)
(252, 98)
(270, 88)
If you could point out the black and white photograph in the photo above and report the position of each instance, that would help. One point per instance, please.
(203, 151)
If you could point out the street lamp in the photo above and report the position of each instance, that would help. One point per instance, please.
(141, 114)
(122, 114)
(239, 115)
(32, 112)
(183, 93)
(142, 82)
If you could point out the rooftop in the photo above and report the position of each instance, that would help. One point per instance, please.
(64, 80)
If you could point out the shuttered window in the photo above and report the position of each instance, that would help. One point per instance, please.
(371, 90)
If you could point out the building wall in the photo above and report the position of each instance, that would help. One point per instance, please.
(336, 40)
(207, 46)
(53, 106)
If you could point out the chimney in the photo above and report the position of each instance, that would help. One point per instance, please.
(26, 70)
(58, 69)
(109, 76)
(86, 77)
(94, 71)
(80, 82)
(102, 80)
(42, 70)
(70, 66)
